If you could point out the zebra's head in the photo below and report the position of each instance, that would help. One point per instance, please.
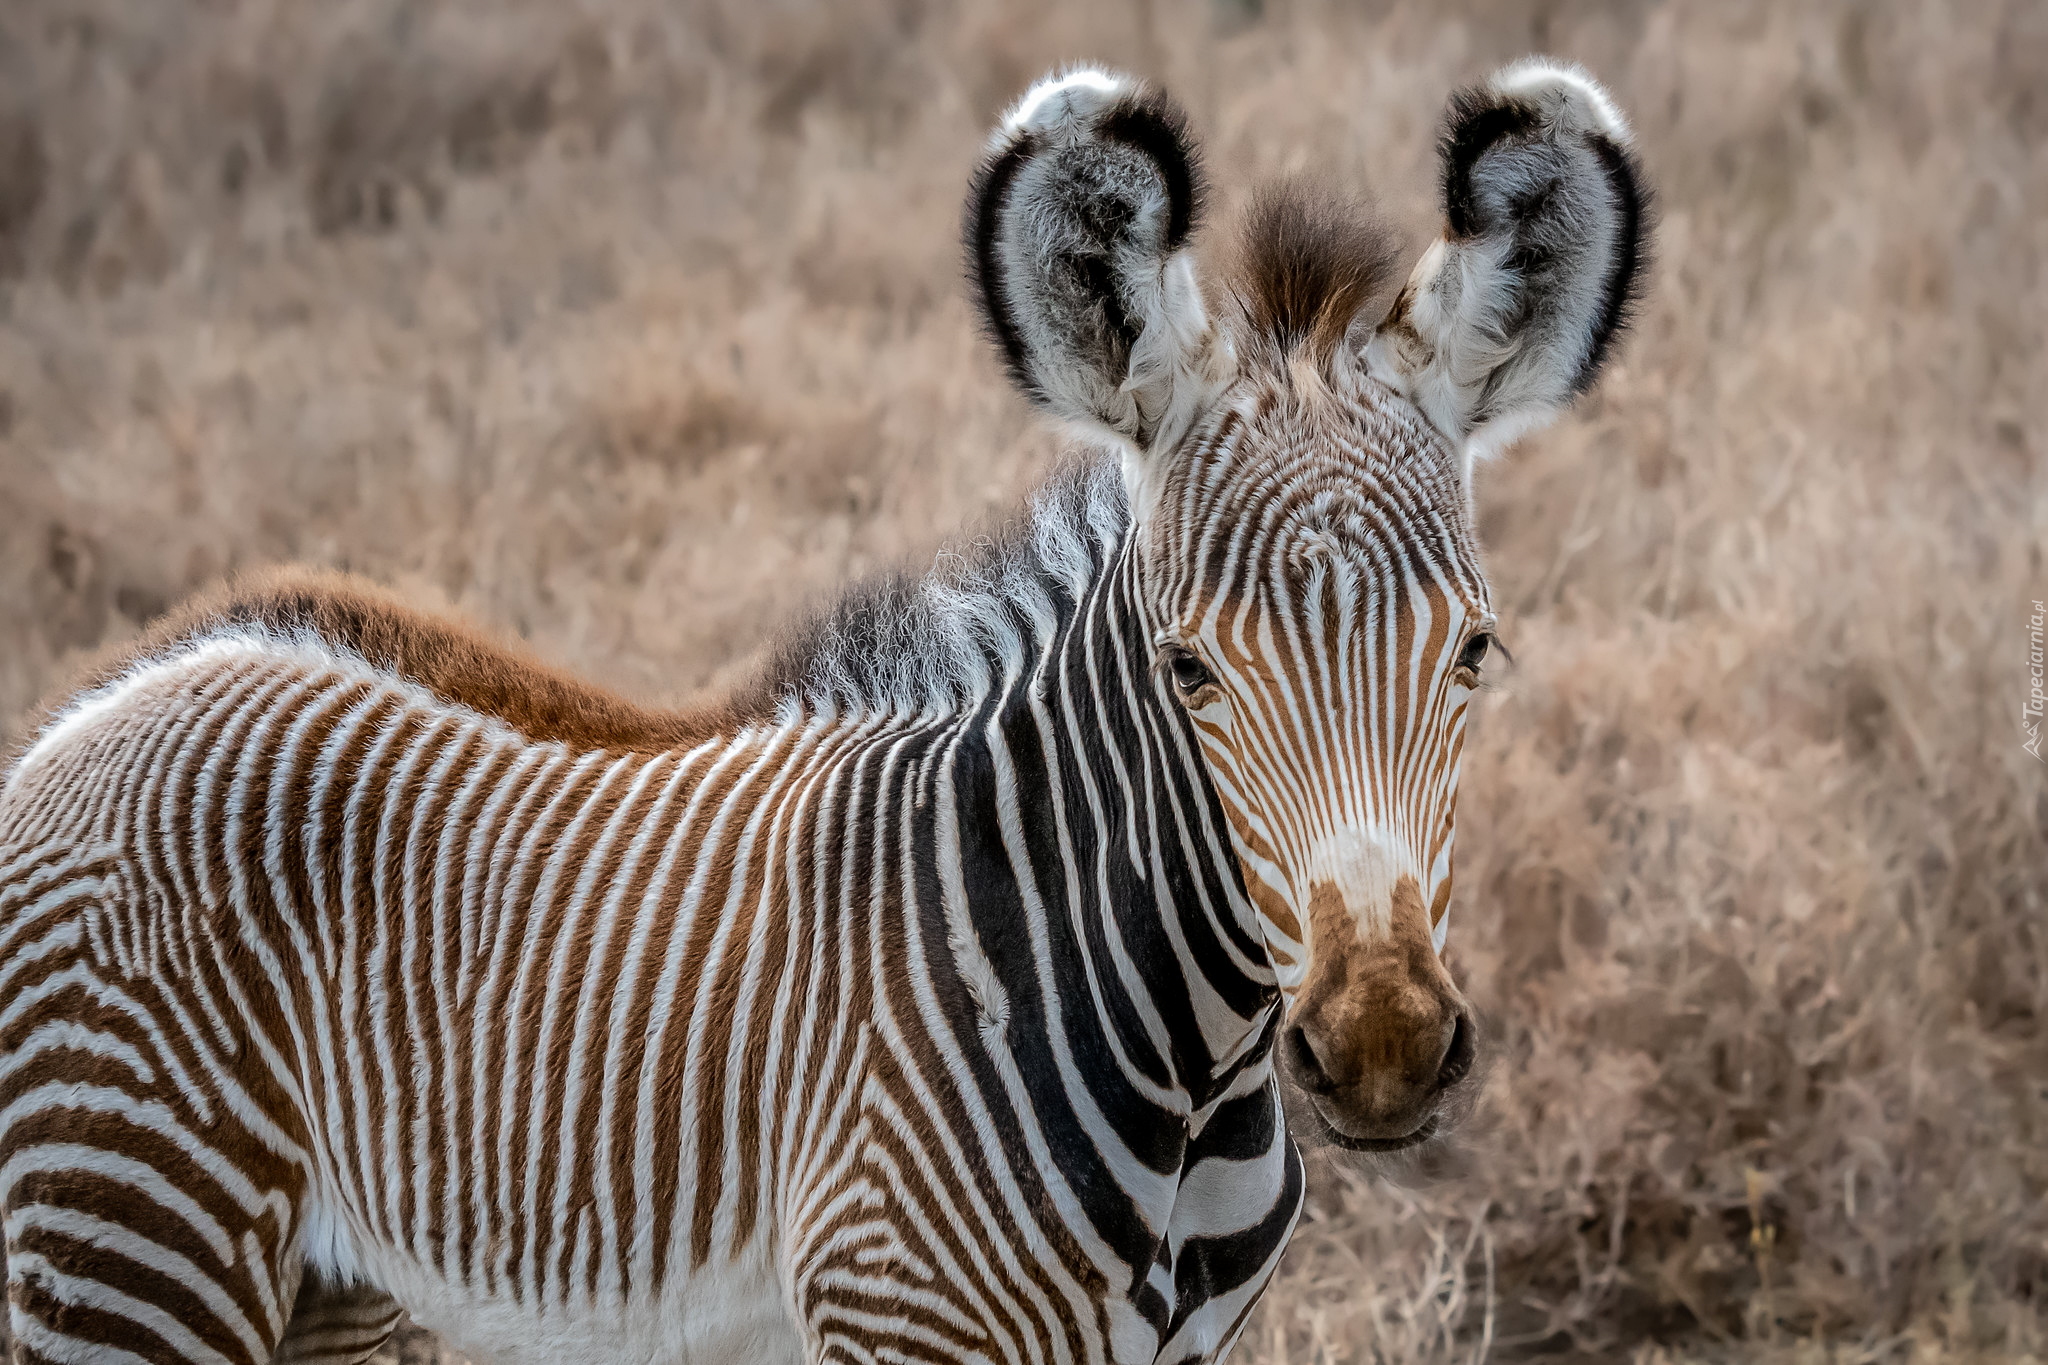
(1299, 475)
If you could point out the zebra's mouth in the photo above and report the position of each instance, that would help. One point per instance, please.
(1324, 1133)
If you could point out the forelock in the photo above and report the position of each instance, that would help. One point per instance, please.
(1309, 262)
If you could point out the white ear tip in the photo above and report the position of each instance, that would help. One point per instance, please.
(1568, 97)
(1065, 96)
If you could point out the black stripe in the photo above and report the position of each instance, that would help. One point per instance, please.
(1623, 288)
(986, 195)
(1156, 128)
(1477, 120)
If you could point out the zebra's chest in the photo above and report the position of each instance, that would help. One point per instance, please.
(1020, 1215)
(1239, 1194)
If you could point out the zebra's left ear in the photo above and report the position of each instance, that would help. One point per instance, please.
(1077, 230)
(1509, 316)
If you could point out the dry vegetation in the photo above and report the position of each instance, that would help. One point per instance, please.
(631, 325)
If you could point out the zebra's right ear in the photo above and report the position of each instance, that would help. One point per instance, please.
(1077, 230)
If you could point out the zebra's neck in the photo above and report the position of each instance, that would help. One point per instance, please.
(1124, 800)
(1095, 863)
(942, 644)
(1096, 978)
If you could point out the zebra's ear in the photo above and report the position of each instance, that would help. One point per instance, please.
(1077, 230)
(1509, 316)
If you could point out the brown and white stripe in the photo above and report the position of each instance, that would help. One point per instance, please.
(927, 1000)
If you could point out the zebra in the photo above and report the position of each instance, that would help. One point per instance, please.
(961, 988)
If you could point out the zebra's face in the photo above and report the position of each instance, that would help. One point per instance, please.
(1324, 623)
(1298, 480)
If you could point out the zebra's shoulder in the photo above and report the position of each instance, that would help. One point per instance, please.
(351, 618)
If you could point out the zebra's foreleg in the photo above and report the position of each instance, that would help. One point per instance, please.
(144, 1221)
(335, 1324)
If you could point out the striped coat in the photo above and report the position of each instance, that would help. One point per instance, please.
(931, 998)
(883, 1007)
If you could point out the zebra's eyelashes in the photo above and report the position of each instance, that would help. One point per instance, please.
(1193, 683)
(1482, 643)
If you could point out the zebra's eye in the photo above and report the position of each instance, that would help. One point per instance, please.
(1475, 652)
(1190, 675)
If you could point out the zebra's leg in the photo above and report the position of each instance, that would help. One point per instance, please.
(149, 1213)
(116, 1252)
(337, 1324)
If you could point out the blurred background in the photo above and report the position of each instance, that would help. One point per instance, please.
(629, 327)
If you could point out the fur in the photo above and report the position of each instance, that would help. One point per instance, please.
(1077, 228)
(903, 644)
(1309, 265)
(921, 999)
(1510, 315)
(451, 659)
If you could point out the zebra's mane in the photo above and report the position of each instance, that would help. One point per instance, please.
(338, 620)
(906, 644)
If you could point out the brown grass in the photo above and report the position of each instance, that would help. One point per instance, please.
(631, 326)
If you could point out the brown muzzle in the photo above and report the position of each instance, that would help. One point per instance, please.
(1379, 1033)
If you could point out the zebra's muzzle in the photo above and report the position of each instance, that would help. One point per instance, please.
(1379, 1036)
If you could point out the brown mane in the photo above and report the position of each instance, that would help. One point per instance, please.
(1308, 263)
(455, 661)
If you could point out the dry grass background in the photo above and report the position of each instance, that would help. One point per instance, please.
(630, 326)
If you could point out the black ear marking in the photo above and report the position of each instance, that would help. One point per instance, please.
(1155, 127)
(986, 196)
(1144, 120)
(1513, 312)
(1622, 291)
(1478, 119)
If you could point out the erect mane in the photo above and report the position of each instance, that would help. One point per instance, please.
(937, 642)
(898, 643)
(1308, 263)
(451, 659)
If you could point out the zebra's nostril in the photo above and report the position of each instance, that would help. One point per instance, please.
(1459, 1055)
(1307, 1067)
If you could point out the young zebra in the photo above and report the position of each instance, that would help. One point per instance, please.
(928, 1000)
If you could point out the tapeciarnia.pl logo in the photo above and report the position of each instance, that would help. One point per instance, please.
(2037, 694)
